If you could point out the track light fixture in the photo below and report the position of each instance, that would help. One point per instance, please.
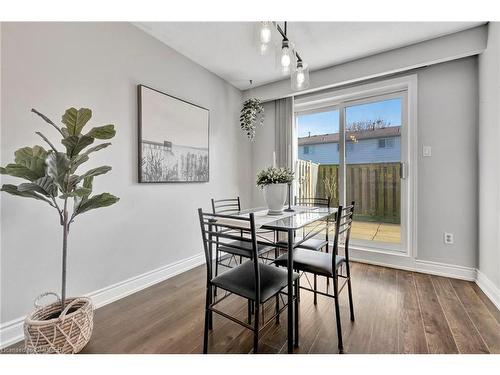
(288, 59)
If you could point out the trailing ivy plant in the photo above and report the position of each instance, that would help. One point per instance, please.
(52, 174)
(251, 113)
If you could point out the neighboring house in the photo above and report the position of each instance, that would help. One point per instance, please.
(365, 146)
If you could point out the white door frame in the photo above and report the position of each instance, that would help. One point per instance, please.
(339, 99)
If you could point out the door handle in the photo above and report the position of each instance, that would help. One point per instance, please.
(403, 171)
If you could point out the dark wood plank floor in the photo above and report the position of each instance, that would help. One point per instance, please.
(396, 312)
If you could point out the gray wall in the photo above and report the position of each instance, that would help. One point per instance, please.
(52, 66)
(489, 157)
(447, 181)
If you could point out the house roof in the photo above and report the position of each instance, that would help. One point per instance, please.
(392, 131)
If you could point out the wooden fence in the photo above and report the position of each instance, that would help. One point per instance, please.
(376, 188)
(307, 177)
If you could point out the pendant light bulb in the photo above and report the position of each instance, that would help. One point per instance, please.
(300, 77)
(265, 32)
(285, 57)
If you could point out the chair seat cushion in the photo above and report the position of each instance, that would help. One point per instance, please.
(261, 249)
(241, 280)
(312, 243)
(311, 261)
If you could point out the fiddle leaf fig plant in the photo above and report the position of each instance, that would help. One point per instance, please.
(52, 176)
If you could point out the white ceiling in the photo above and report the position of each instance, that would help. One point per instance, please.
(229, 49)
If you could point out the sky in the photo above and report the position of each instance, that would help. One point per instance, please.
(328, 122)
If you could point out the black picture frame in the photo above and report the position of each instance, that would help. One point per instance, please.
(140, 161)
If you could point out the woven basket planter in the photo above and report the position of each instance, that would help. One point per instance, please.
(47, 330)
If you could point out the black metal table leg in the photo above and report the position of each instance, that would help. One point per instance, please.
(290, 291)
(296, 309)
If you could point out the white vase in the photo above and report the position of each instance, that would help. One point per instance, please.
(275, 197)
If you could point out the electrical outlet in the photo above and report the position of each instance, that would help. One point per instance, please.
(427, 151)
(448, 238)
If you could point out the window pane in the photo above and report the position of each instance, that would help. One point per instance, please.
(373, 156)
(318, 155)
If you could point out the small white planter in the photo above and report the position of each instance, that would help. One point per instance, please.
(275, 196)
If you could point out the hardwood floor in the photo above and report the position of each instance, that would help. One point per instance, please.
(396, 312)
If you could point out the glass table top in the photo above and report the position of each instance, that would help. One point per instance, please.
(301, 217)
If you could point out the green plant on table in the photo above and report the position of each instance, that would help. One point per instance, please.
(274, 175)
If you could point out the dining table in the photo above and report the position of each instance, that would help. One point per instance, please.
(311, 221)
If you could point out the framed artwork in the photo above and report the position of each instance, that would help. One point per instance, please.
(173, 138)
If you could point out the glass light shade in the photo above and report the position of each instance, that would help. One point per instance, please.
(264, 48)
(265, 33)
(264, 36)
(300, 77)
(285, 57)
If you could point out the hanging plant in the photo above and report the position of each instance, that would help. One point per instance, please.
(251, 113)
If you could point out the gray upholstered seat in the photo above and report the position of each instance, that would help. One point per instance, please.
(241, 280)
(261, 249)
(315, 262)
(315, 244)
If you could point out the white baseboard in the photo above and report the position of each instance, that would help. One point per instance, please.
(489, 288)
(409, 264)
(12, 331)
(125, 288)
(448, 270)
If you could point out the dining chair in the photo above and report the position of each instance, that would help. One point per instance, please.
(252, 280)
(328, 264)
(231, 206)
(315, 244)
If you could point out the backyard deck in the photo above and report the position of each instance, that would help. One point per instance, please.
(371, 231)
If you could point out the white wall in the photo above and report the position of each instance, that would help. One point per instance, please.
(53, 66)
(489, 158)
(447, 182)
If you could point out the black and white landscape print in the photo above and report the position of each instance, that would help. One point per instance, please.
(173, 139)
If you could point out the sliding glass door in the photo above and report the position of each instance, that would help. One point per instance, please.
(356, 150)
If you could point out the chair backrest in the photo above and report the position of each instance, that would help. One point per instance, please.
(315, 202)
(226, 206)
(343, 224)
(229, 231)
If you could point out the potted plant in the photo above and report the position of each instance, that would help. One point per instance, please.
(251, 113)
(273, 182)
(64, 326)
